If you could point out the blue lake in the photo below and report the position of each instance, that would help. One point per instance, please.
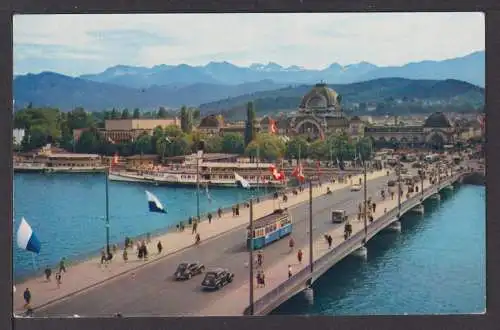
(66, 211)
(437, 264)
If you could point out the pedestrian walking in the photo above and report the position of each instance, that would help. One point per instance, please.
(27, 298)
(237, 209)
(62, 265)
(195, 227)
(159, 246)
(125, 255)
(299, 256)
(209, 216)
(291, 244)
(260, 259)
(289, 271)
(263, 279)
(219, 212)
(58, 279)
(330, 240)
(374, 206)
(48, 273)
(103, 257)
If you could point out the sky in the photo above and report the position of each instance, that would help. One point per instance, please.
(82, 44)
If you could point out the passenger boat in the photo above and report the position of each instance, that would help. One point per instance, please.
(269, 229)
(205, 173)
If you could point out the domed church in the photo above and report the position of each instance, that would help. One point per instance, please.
(320, 114)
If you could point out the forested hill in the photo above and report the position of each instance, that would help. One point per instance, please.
(380, 94)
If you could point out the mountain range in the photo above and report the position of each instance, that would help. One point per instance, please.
(470, 68)
(224, 83)
(400, 94)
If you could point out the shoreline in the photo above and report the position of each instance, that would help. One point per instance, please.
(94, 256)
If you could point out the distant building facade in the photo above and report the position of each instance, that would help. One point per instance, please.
(436, 132)
(127, 130)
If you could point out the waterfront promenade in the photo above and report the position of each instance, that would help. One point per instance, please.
(81, 277)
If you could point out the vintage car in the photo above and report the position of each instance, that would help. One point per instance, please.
(186, 270)
(217, 278)
(356, 187)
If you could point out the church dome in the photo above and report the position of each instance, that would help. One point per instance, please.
(437, 120)
(212, 121)
(320, 96)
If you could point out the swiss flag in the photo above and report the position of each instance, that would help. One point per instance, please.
(115, 159)
(273, 129)
(298, 173)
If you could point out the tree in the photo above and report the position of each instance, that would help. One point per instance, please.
(269, 147)
(297, 148)
(250, 131)
(196, 115)
(143, 144)
(365, 148)
(172, 131)
(179, 147)
(125, 114)
(233, 143)
(186, 120)
(319, 150)
(213, 144)
(137, 113)
(88, 143)
(115, 114)
(162, 113)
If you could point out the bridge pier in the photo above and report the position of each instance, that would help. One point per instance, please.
(419, 209)
(436, 197)
(362, 252)
(395, 226)
(309, 295)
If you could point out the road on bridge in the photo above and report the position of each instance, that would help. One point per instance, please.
(151, 290)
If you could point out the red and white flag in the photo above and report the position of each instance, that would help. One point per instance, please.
(273, 129)
(115, 160)
(298, 173)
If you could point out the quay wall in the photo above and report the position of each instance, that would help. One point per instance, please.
(475, 178)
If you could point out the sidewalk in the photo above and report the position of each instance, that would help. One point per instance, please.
(277, 273)
(90, 273)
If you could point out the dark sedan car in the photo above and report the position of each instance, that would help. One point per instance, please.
(217, 278)
(186, 270)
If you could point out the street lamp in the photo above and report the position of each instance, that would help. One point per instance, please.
(108, 251)
(250, 262)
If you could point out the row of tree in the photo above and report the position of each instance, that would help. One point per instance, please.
(48, 125)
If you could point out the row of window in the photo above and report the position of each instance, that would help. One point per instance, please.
(73, 164)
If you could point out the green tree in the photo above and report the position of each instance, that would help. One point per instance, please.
(186, 120)
(125, 114)
(213, 144)
(319, 150)
(180, 146)
(297, 147)
(89, 142)
(233, 143)
(137, 113)
(365, 148)
(115, 114)
(269, 147)
(172, 131)
(143, 144)
(250, 131)
(162, 113)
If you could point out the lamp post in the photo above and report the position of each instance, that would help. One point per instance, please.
(365, 201)
(108, 251)
(398, 169)
(250, 261)
(198, 186)
(311, 256)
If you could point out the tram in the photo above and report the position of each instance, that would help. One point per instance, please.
(269, 228)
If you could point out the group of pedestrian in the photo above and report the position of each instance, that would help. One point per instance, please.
(236, 210)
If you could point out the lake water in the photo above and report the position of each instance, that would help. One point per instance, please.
(66, 211)
(437, 264)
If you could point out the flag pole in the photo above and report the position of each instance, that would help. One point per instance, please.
(34, 262)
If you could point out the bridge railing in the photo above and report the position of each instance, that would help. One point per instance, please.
(305, 274)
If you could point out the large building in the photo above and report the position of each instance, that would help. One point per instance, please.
(435, 132)
(127, 130)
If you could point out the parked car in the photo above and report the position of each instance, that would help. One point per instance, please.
(186, 270)
(356, 187)
(217, 278)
